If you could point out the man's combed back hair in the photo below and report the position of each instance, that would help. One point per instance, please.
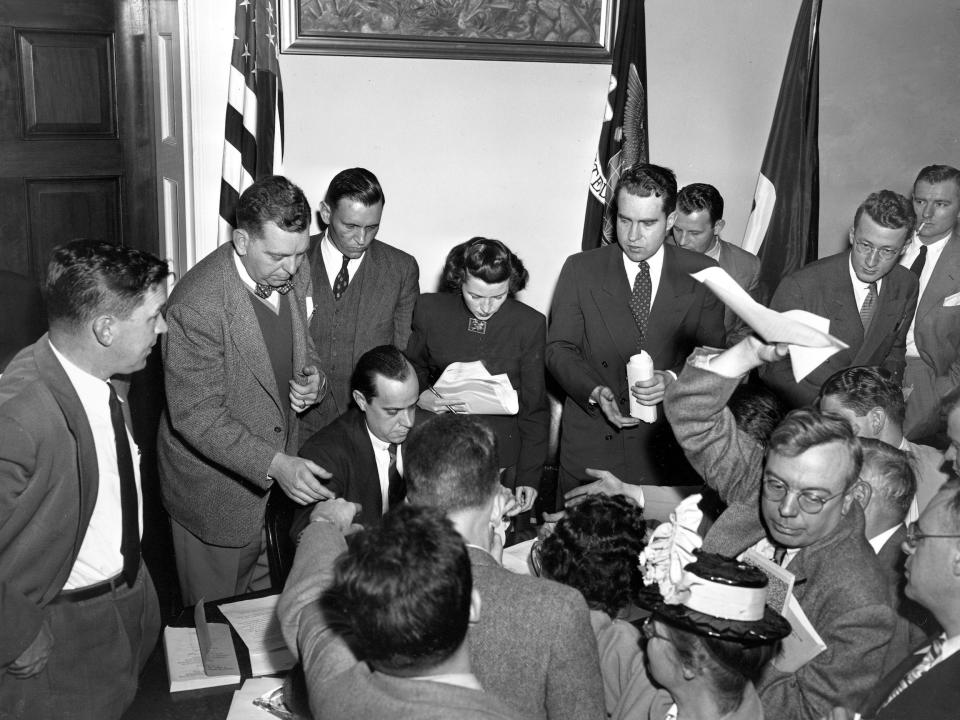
(356, 184)
(863, 388)
(888, 209)
(646, 180)
(594, 550)
(806, 428)
(697, 197)
(890, 473)
(485, 259)
(384, 360)
(933, 174)
(88, 278)
(403, 591)
(273, 199)
(450, 463)
(757, 410)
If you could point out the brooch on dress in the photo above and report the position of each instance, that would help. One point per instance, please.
(477, 326)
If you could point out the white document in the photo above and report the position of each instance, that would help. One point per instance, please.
(257, 625)
(516, 558)
(806, 334)
(472, 384)
(803, 643)
(242, 707)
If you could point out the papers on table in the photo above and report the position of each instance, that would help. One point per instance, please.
(472, 384)
(257, 625)
(805, 333)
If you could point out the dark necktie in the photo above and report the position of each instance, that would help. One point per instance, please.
(342, 280)
(779, 554)
(640, 299)
(869, 306)
(130, 542)
(396, 487)
(919, 261)
(264, 291)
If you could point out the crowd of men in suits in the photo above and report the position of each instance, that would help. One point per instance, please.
(283, 370)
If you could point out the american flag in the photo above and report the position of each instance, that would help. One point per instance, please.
(254, 107)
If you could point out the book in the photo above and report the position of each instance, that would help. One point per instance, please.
(185, 666)
(470, 384)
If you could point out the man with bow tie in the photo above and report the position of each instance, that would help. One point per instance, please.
(239, 369)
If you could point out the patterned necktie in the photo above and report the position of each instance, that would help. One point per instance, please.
(919, 261)
(396, 487)
(869, 306)
(342, 280)
(640, 299)
(936, 647)
(130, 540)
(263, 290)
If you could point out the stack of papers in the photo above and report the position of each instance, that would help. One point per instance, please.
(472, 385)
(257, 625)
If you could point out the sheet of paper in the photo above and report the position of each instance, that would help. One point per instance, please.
(516, 558)
(257, 625)
(803, 643)
(242, 707)
(806, 334)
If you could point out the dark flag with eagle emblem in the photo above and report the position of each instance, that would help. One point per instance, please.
(253, 131)
(623, 135)
(782, 229)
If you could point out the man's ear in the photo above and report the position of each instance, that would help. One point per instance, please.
(718, 227)
(671, 219)
(861, 492)
(103, 330)
(475, 605)
(325, 213)
(240, 241)
(360, 400)
(851, 236)
(878, 418)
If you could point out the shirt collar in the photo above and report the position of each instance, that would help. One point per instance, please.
(880, 540)
(242, 272)
(857, 282)
(655, 261)
(83, 382)
(464, 680)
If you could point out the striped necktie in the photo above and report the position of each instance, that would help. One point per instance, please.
(936, 648)
(869, 306)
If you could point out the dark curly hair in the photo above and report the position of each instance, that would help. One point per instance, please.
(486, 259)
(594, 549)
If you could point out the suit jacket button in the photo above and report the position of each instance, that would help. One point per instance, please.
(604, 363)
(608, 437)
(278, 429)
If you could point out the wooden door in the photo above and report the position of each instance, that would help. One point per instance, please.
(76, 145)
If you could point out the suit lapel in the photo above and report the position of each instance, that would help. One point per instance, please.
(884, 320)
(370, 272)
(613, 301)
(841, 304)
(244, 327)
(945, 279)
(670, 305)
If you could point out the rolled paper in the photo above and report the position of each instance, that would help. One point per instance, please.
(640, 367)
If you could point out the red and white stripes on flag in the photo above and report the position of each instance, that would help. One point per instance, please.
(254, 120)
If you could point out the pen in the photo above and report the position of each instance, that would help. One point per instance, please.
(439, 396)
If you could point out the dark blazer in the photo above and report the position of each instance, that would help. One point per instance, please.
(838, 585)
(513, 344)
(935, 695)
(744, 267)
(225, 417)
(388, 282)
(343, 447)
(533, 646)
(824, 288)
(590, 339)
(48, 487)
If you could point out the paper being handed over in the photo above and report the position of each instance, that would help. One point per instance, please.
(806, 334)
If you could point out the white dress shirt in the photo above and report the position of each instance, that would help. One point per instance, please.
(333, 260)
(655, 262)
(860, 288)
(381, 453)
(934, 251)
(273, 301)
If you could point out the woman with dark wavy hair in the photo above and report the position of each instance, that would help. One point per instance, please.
(476, 317)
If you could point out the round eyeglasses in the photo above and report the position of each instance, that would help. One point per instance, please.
(866, 249)
(808, 501)
(914, 535)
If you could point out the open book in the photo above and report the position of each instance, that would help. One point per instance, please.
(200, 657)
(472, 384)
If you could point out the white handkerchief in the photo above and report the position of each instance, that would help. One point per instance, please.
(309, 301)
(805, 333)
(952, 300)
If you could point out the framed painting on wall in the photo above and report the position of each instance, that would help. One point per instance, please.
(528, 30)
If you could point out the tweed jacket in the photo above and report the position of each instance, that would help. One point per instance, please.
(590, 339)
(224, 419)
(388, 283)
(339, 684)
(935, 695)
(533, 646)
(744, 267)
(48, 487)
(824, 288)
(839, 584)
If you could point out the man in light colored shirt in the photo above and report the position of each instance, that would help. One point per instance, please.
(933, 340)
(867, 297)
(364, 290)
(78, 610)
(698, 227)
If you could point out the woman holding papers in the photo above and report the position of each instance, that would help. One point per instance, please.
(476, 317)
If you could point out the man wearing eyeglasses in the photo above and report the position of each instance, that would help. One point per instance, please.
(868, 298)
(805, 482)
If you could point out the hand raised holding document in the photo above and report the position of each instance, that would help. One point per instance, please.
(805, 334)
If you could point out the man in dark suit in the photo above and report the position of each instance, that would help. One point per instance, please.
(533, 646)
(867, 297)
(924, 684)
(611, 303)
(933, 341)
(78, 611)
(239, 369)
(363, 290)
(404, 595)
(698, 227)
(361, 448)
